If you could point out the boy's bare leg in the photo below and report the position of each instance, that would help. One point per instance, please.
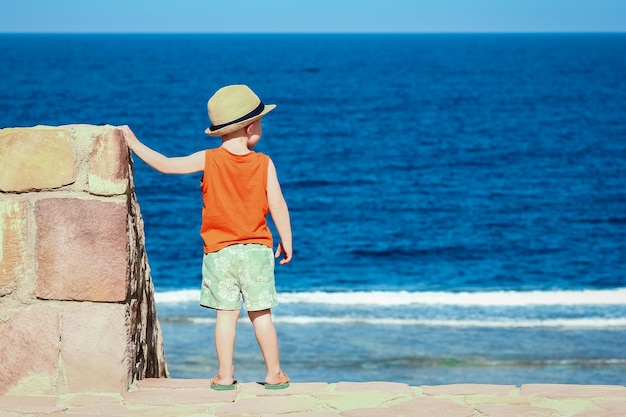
(225, 332)
(265, 333)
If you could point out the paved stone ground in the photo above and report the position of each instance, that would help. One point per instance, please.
(187, 398)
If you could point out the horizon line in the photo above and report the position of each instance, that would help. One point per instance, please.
(546, 32)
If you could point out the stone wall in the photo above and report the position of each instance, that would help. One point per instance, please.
(77, 308)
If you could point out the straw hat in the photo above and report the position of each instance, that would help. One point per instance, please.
(233, 107)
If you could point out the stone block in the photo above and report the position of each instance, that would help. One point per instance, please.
(431, 407)
(562, 391)
(95, 348)
(266, 406)
(305, 388)
(30, 351)
(345, 400)
(31, 405)
(12, 245)
(35, 159)
(109, 164)
(371, 412)
(179, 396)
(470, 389)
(393, 387)
(517, 410)
(81, 250)
(172, 383)
(613, 406)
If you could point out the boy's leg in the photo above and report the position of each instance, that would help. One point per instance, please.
(265, 333)
(225, 332)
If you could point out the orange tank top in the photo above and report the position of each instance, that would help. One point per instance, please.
(234, 198)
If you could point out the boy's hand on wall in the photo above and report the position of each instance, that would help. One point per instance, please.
(129, 136)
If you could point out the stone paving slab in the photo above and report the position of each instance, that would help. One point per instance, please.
(191, 398)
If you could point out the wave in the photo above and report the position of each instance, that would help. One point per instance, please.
(177, 296)
(405, 298)
(562, 323)
(414, 362)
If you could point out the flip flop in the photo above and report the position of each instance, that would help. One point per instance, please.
(280, 385)
(220, 387)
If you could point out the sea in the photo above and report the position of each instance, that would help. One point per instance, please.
(458, 201)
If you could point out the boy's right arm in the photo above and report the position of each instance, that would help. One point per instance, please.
(178, 165)
(280, 215)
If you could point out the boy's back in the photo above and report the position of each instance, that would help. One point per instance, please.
(235, 199)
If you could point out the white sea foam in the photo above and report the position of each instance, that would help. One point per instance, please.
(580, 323)
(488, 298)
(400, 298)
(178, 296)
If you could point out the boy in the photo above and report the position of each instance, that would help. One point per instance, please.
(239, 187)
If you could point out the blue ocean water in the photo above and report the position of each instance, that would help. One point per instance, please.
(458, 202)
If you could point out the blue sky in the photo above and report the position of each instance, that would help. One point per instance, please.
(294, 16)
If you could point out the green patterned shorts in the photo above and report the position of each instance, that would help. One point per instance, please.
(239, 272)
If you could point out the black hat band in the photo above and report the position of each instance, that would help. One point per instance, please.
(250, 115)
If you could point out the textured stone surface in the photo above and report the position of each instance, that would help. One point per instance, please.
(108, 164)
(145, 329)
(30, 405)
(572, 391)
(187, 396)
(95, 349)
(192, 398)
(469, 389)
(85, 400)
(81, 250)
(434, 407)
(367, 412)
(309, 388)
(108, 410)
(12, 241)
(172, 383)
(599, 413)
(346, 400)
(374, 386)
(517, 410)
(10, 414)
(615, 406)
(35, 159)
(72, 245)
(29, 350)
(265, 406)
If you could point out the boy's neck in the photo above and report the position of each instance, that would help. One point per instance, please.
(237, 145)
